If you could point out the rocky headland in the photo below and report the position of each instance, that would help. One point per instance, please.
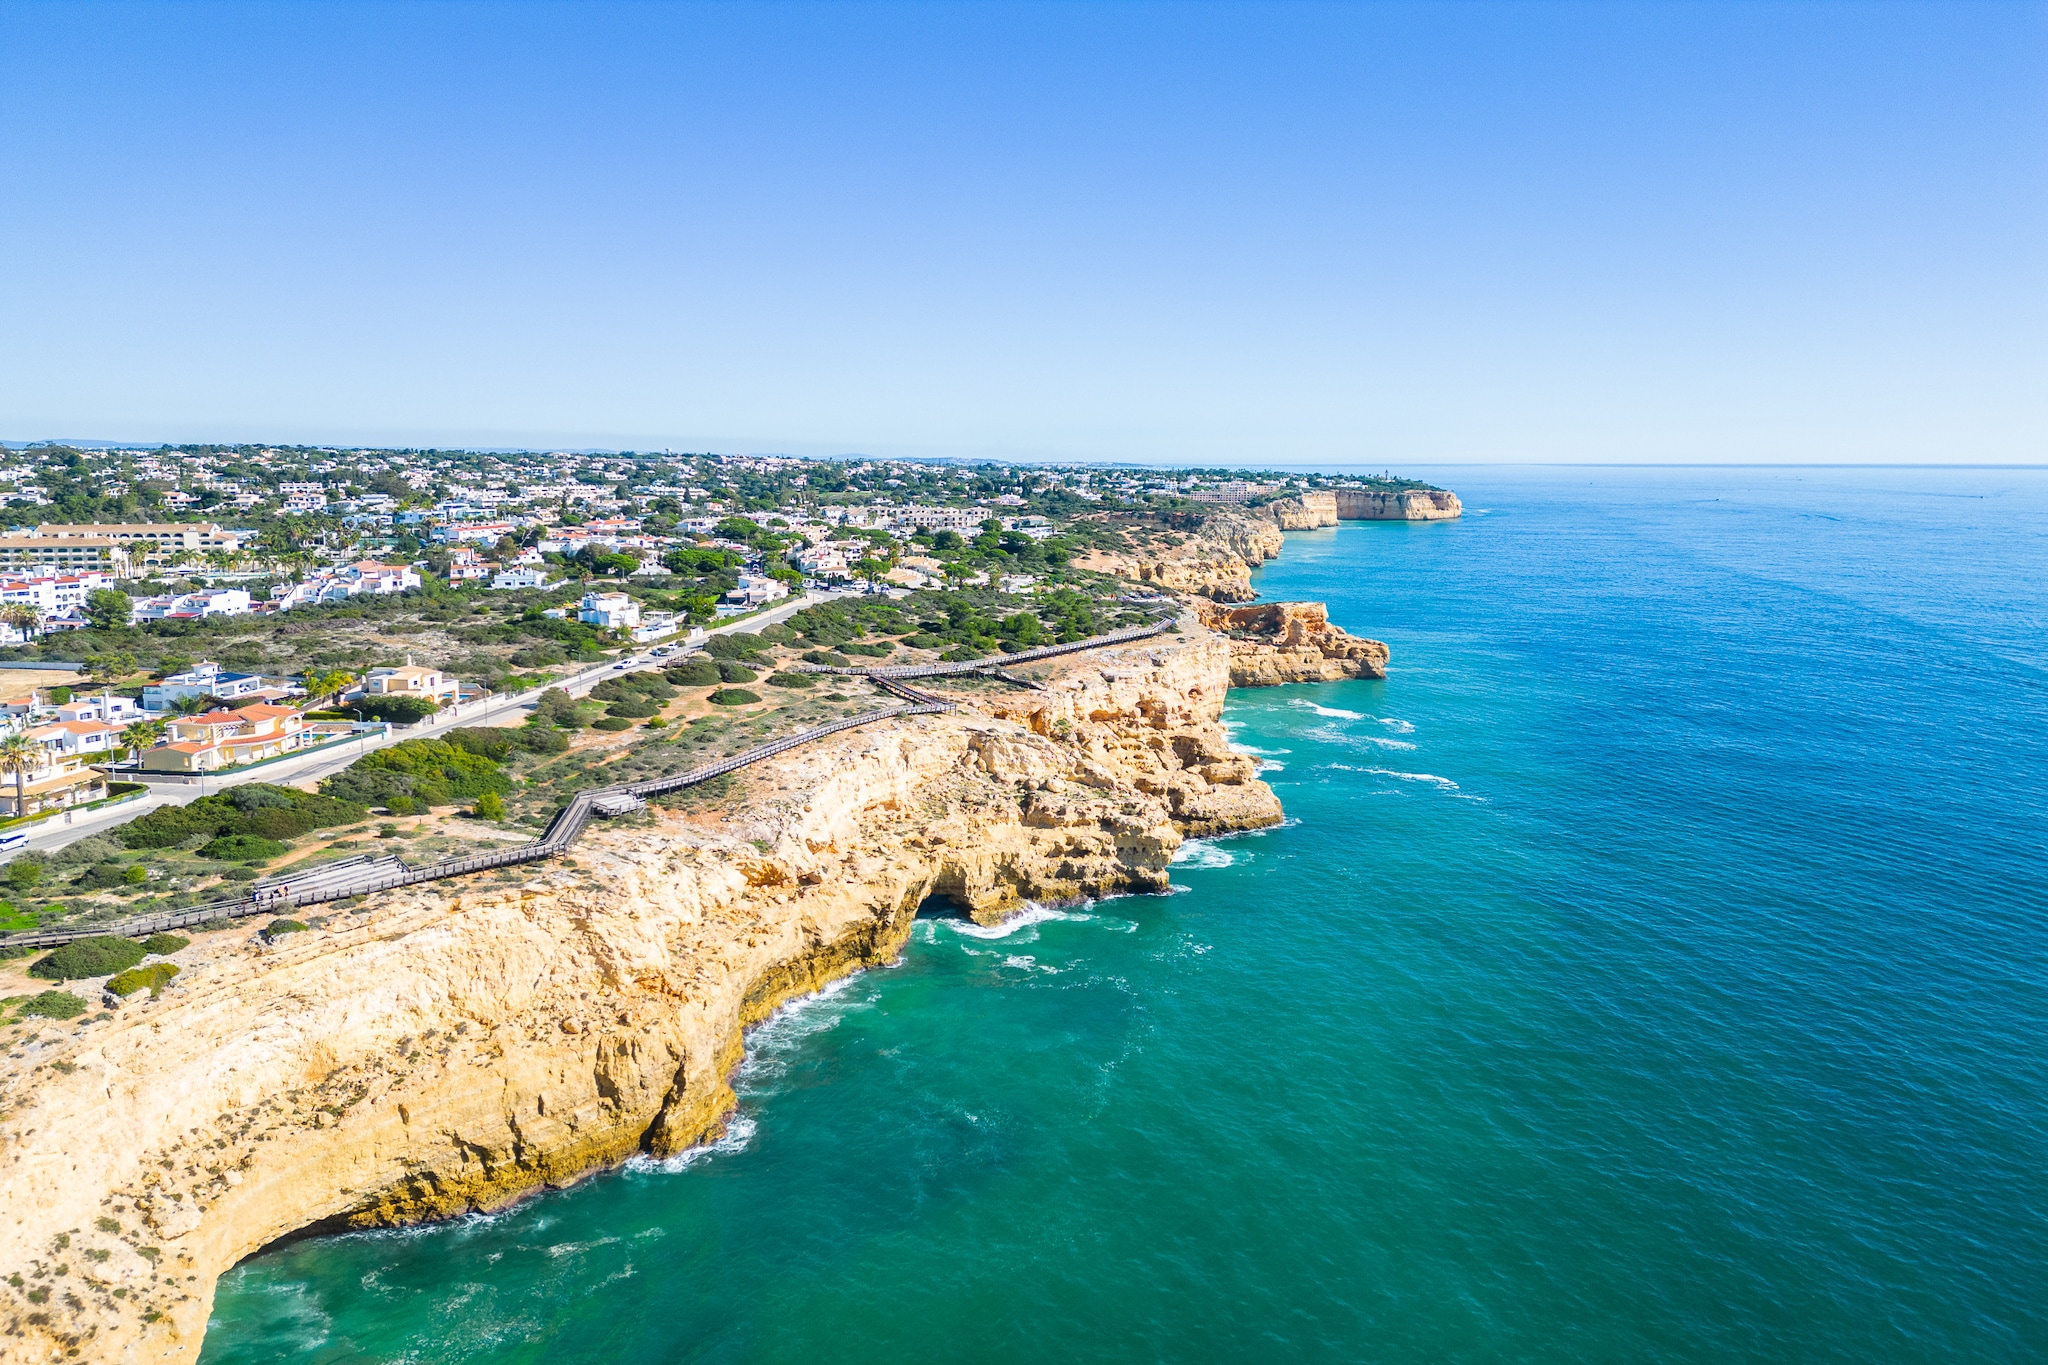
(1216, 561)
(1272, 643)
(451, 1047)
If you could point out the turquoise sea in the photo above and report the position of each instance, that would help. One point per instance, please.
(1653, 968)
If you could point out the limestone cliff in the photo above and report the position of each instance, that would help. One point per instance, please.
(1310, 510)
(449, 1047)
(1215, 562)
(1411, 504)
(1291, 642)
(1304, 512)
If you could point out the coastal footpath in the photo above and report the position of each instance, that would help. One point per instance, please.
(451, 1047)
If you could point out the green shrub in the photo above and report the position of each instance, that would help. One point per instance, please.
(430, 771)
(135, 875)
(25, 873)
(397, 710)
(731, 672)
(404, 805)
(278, 928)
(827, 658)
(97, 848)
(636, 709)
(732, 696)
(490, 806)
(696, 671)
(611, 724)
(243, 848)
(152, 978)
(253, 808)
(733, 646)
(792, 680)
(165, 944)
(542, 739)
(241, 874)
(496, 745)
(657, 724)
(53, 1005)
(85, 958)
(101, 876)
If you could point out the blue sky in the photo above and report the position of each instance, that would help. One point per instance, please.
(1201, 233)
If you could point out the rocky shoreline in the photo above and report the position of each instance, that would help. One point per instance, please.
(451, 1048)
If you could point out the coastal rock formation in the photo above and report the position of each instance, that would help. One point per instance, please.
(449, 1047)
(1410, 504)
(1303, 513)
(1291, 642)
(1309, 510)
(1215, 562)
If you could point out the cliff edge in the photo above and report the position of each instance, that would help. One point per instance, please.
(1272, 643)
(453, 1046)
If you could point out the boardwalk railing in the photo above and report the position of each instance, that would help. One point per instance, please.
(365, 875)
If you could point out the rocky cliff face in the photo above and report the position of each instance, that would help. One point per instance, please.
(1292, 642)
(449, 1047)
(1215, 562)
(1415, 504)
(1303, 513)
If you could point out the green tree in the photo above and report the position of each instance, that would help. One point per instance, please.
(18, 754)
(107, 608)
(143, 734)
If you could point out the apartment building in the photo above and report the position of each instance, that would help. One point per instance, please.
(171, 538)
(61, 555)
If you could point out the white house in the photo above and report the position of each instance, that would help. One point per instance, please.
(190, 606)
(756, 590)
(657, 625)
(520, 576)
(203, 680)
(611, 610)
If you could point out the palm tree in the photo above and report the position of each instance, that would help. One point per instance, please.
(18, 754)
(25, 616)
(189, 706)
(140, 735)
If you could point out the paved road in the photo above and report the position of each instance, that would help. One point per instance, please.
(312, 767)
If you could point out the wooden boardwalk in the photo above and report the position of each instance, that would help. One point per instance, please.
(365, 875)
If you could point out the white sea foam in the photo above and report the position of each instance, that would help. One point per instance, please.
(1262, 753)
(1201, 853)
(739, 1131)
(1267, 765)
(1032, 913)
(1400, 727)
(1331, 711)
(1442, 783)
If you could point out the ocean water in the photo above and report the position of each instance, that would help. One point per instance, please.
(1653, 968)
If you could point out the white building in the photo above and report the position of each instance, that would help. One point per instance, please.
(203, 680)
(190, 606)
(757, 590)
(520, 576)
(611, 610)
